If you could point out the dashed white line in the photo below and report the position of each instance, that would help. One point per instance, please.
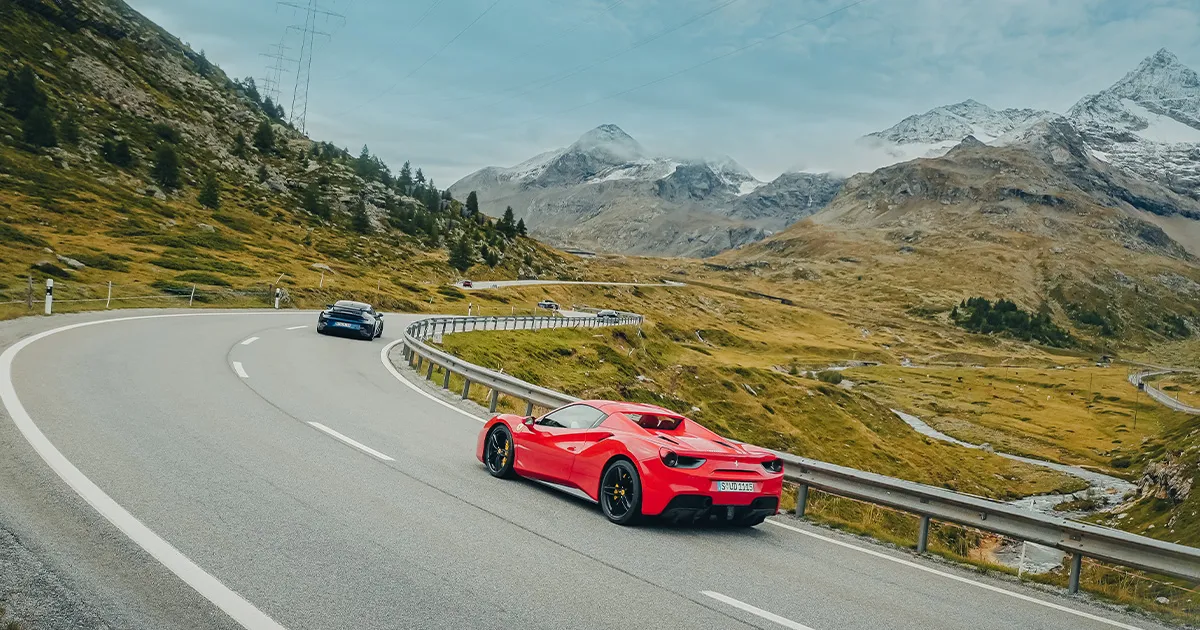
(249, 341)
(241, 371)
(951, 576)
(358, 445)
(296, 327)
(754, 610)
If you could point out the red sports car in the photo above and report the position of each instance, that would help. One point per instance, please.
(636, 460)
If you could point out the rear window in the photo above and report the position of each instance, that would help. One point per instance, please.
(648, 421)
(354, 305)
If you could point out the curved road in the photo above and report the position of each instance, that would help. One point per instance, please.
(300, 475)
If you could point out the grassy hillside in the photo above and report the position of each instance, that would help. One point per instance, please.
(127, 157)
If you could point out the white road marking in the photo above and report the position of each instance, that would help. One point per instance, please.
(234, 605)
(249, 341)
(383, 356)
(241, 371)
(358, 445)
(989, 587)
(754, 610)
(296, 327)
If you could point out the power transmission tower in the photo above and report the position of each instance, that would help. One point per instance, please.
(308, 32)
(274, 79)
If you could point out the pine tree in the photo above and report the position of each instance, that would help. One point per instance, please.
(69, 129)
(461, 254)
(264, 137)
(210, 192)
(359, 221)
(38, 129)
(166, 167)
(239, 145)
(419, 178)
(521, 231)
(203, 65)
(365, 166)
(508, 224)
(404, 181)
(472, 204)
(22, 94)
(312, 202)
(117, 153)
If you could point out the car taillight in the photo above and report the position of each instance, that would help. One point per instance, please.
(774, 465)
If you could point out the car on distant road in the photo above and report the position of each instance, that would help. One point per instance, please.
(355, 319)
(608, 316)
(548, 304)
(637, 460)
(467, 284)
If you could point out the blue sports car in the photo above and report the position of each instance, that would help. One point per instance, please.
(349, 318)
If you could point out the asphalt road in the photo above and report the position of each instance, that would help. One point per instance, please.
(1159, 395)
(498, 284)
(202, 428)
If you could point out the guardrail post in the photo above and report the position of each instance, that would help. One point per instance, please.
(1076, 569)
(801, 500)
(429, 372)
(420, 362)
(493, 401)
(528, 407)
(446, 379)
(466, 388)
(923, 535)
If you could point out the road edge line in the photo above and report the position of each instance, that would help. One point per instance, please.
(387, 363)
(957, 578)
(238, 608)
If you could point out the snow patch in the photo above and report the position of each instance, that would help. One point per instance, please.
(1161, 128)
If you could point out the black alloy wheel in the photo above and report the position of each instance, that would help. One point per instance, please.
(498, 452)
(621, 493)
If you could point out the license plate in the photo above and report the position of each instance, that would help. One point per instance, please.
(735, 486)
(345, 325)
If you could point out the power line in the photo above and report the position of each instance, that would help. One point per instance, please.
(308, 33)
(529, 53)
(431, 57)
(359, 70)
(706, 62)
(545, 82)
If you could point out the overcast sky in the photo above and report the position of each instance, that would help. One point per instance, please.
(532, 75)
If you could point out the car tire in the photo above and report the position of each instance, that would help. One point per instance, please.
(499, 452)
(621, 493)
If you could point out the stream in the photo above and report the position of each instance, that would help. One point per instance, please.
(1106, 489)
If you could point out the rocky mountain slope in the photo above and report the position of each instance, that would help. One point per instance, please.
(1147, 124)
(1040, 220)
(126, 156)
(607, 192)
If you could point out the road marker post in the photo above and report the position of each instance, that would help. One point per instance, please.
(192, 297)
(49, 295)
(108, 300)
(278, 296)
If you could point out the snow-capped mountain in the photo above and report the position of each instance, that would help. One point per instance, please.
(1148, 123)
(606, 191)
(938, 130)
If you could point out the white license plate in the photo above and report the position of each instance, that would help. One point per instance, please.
(735, 486)
(344, 325)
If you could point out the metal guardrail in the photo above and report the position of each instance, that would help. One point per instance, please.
(928, 502)
(421, 356)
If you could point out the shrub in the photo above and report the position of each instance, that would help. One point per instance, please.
(108, 262)
(50, 269)
(1121, 462)
(833, 377)
(10, 234)
(200, 277)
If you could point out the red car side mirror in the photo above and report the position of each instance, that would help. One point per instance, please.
(530, 422)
